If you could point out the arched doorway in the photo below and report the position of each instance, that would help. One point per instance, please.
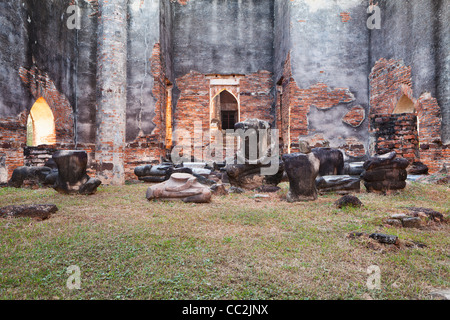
(41, 125)
(225, 111)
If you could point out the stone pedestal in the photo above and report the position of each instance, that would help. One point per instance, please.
(302, 170)
(385, 173)
(72, 177)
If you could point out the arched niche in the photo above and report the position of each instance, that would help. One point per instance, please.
(404, 105)
(41, 125)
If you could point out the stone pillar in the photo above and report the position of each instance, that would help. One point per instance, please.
(111, 91)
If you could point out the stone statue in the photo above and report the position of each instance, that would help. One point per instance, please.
(255, 157)
(302, 170)
(72, 176)
(180, 186)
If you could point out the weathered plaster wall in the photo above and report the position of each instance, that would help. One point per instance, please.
(224, 37)
(143, 34)
(281, 36)
(329, 50)
(86, 70)
(14, 53)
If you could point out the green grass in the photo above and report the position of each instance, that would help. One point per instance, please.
(236, 247)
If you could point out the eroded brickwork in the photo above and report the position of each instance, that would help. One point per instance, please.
(256, 98)
(40, 85)
(396, 132)
(355, 117)
(390, 80)
(295, 104)
(13, 138)
(151, 148)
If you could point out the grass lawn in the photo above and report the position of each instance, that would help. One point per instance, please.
(236, 247)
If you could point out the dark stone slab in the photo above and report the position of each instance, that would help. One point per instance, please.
(354, 168)
(348, 201)
(386, 185)
(385, 238)
(342, 183)
(331, 161)
(418, 168)
(36, 211)
(384, 174)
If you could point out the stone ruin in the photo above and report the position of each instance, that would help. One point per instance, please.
(385, 173)
(180, 186)
(257, 152)
(65, 172)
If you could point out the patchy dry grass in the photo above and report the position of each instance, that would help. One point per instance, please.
(237, 247)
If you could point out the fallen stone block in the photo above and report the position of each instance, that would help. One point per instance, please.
(35, 211)
(412, 222)
(348, 201)
(340, 184)
(218, 190)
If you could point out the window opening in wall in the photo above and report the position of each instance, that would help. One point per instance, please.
(41, 125)
(228, 107)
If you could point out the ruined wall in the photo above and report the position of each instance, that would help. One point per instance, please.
(409, 57)
(38, 57)
(416, 32)
(222, 38)
(325, 81)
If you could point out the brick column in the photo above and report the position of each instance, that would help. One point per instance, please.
(111, 91)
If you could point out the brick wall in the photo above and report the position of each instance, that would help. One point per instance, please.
(389, 81)
(40, 85)
(396, 132)
(254, 94)
(13, 138)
